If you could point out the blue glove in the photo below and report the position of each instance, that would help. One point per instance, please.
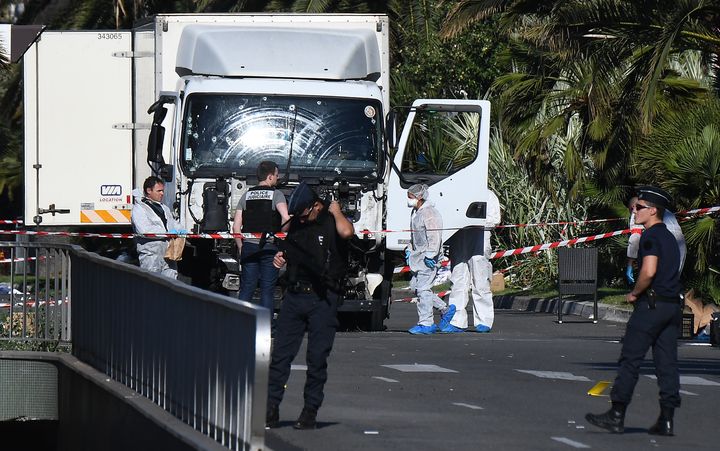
(629, 276)
(430, 262)
(178, 232)
(407, 256)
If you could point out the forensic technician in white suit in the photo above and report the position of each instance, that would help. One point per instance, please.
(470, 252)
(150, 215)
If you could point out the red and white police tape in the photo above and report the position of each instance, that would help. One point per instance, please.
(226, 235)
(21, 259)
(414, 299)
(541, 247)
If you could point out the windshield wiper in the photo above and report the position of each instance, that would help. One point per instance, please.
(292, 140)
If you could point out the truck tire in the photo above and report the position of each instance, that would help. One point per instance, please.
(377, 317)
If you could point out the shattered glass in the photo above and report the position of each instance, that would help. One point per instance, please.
(330, 137)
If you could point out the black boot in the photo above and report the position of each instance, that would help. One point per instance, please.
(306, 420)
(613, 420)
(664, 423)
(272, 417)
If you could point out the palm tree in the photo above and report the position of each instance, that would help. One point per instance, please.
(605, 61)
(683, 155)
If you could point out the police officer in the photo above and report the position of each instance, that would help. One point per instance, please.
(315, 251)
(655, 320)
(262, 209)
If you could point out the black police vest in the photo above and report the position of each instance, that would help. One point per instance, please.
(315, 252)
(259, 214)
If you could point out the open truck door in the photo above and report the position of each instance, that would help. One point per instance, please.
(445, 145)
(78, 128)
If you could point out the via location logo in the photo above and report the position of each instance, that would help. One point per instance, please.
(110, 190)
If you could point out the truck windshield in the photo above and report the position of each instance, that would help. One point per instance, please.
(329, 137)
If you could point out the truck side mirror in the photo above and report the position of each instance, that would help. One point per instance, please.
(391, 130)
(157, 137)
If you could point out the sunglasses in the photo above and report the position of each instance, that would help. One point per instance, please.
(639, 207)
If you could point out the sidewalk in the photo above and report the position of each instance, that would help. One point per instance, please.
(584, 309)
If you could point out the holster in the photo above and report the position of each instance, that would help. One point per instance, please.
(652, 298)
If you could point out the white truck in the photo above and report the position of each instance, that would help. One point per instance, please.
(201, 99)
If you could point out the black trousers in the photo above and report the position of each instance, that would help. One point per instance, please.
(657, 328)
(302, 312)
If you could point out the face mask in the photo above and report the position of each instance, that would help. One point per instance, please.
(412, 203)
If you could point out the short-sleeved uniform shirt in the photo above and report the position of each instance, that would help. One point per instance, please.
(658, 241)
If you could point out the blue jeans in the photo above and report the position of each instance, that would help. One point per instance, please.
(257, 265)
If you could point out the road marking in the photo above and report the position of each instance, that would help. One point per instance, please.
(689, 393)
(469, 406)
(556, 375)
(599, 388)
(298, 367)
(385, 379)
(419, 368)
(371, 432)
(572, 443)
(690, 380)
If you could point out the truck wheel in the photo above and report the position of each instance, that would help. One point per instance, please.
(377, 319)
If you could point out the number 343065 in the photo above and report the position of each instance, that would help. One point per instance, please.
(109, 36)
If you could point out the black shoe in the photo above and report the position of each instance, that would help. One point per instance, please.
(272, 418)
(306, 420)
(613, 420)
(664, 423)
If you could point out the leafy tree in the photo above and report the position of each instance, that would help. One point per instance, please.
(682, 154)
(425, 66)
(605, 61)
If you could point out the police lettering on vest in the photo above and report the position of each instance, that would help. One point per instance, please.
(260, 214)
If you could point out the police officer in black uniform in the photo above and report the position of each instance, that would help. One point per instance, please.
(263, 210)
(655, 321)
(315, 251)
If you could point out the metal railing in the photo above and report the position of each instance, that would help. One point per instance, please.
(35, 292)
(200, 356)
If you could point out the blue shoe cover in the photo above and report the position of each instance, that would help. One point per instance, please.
(450, 329)
(447, 316)
(423, 330)
(482, 329)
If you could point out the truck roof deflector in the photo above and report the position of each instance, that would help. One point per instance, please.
(328, 54)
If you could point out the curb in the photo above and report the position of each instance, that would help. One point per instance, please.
(583, 309)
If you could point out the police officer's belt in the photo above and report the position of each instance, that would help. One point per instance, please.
(658, 298)
(301, 286)
(670, 299)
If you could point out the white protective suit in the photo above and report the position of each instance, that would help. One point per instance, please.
(673, 227)
(634, 240)
(152, 250)
(426, 241)
(475, 274)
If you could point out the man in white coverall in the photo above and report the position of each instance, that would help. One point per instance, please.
(150, 215)
(471, 268)
(422, 257)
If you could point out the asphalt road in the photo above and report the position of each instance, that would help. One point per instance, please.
(521, 387)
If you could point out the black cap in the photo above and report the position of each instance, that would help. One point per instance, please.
(656, 195)
(301, 198)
